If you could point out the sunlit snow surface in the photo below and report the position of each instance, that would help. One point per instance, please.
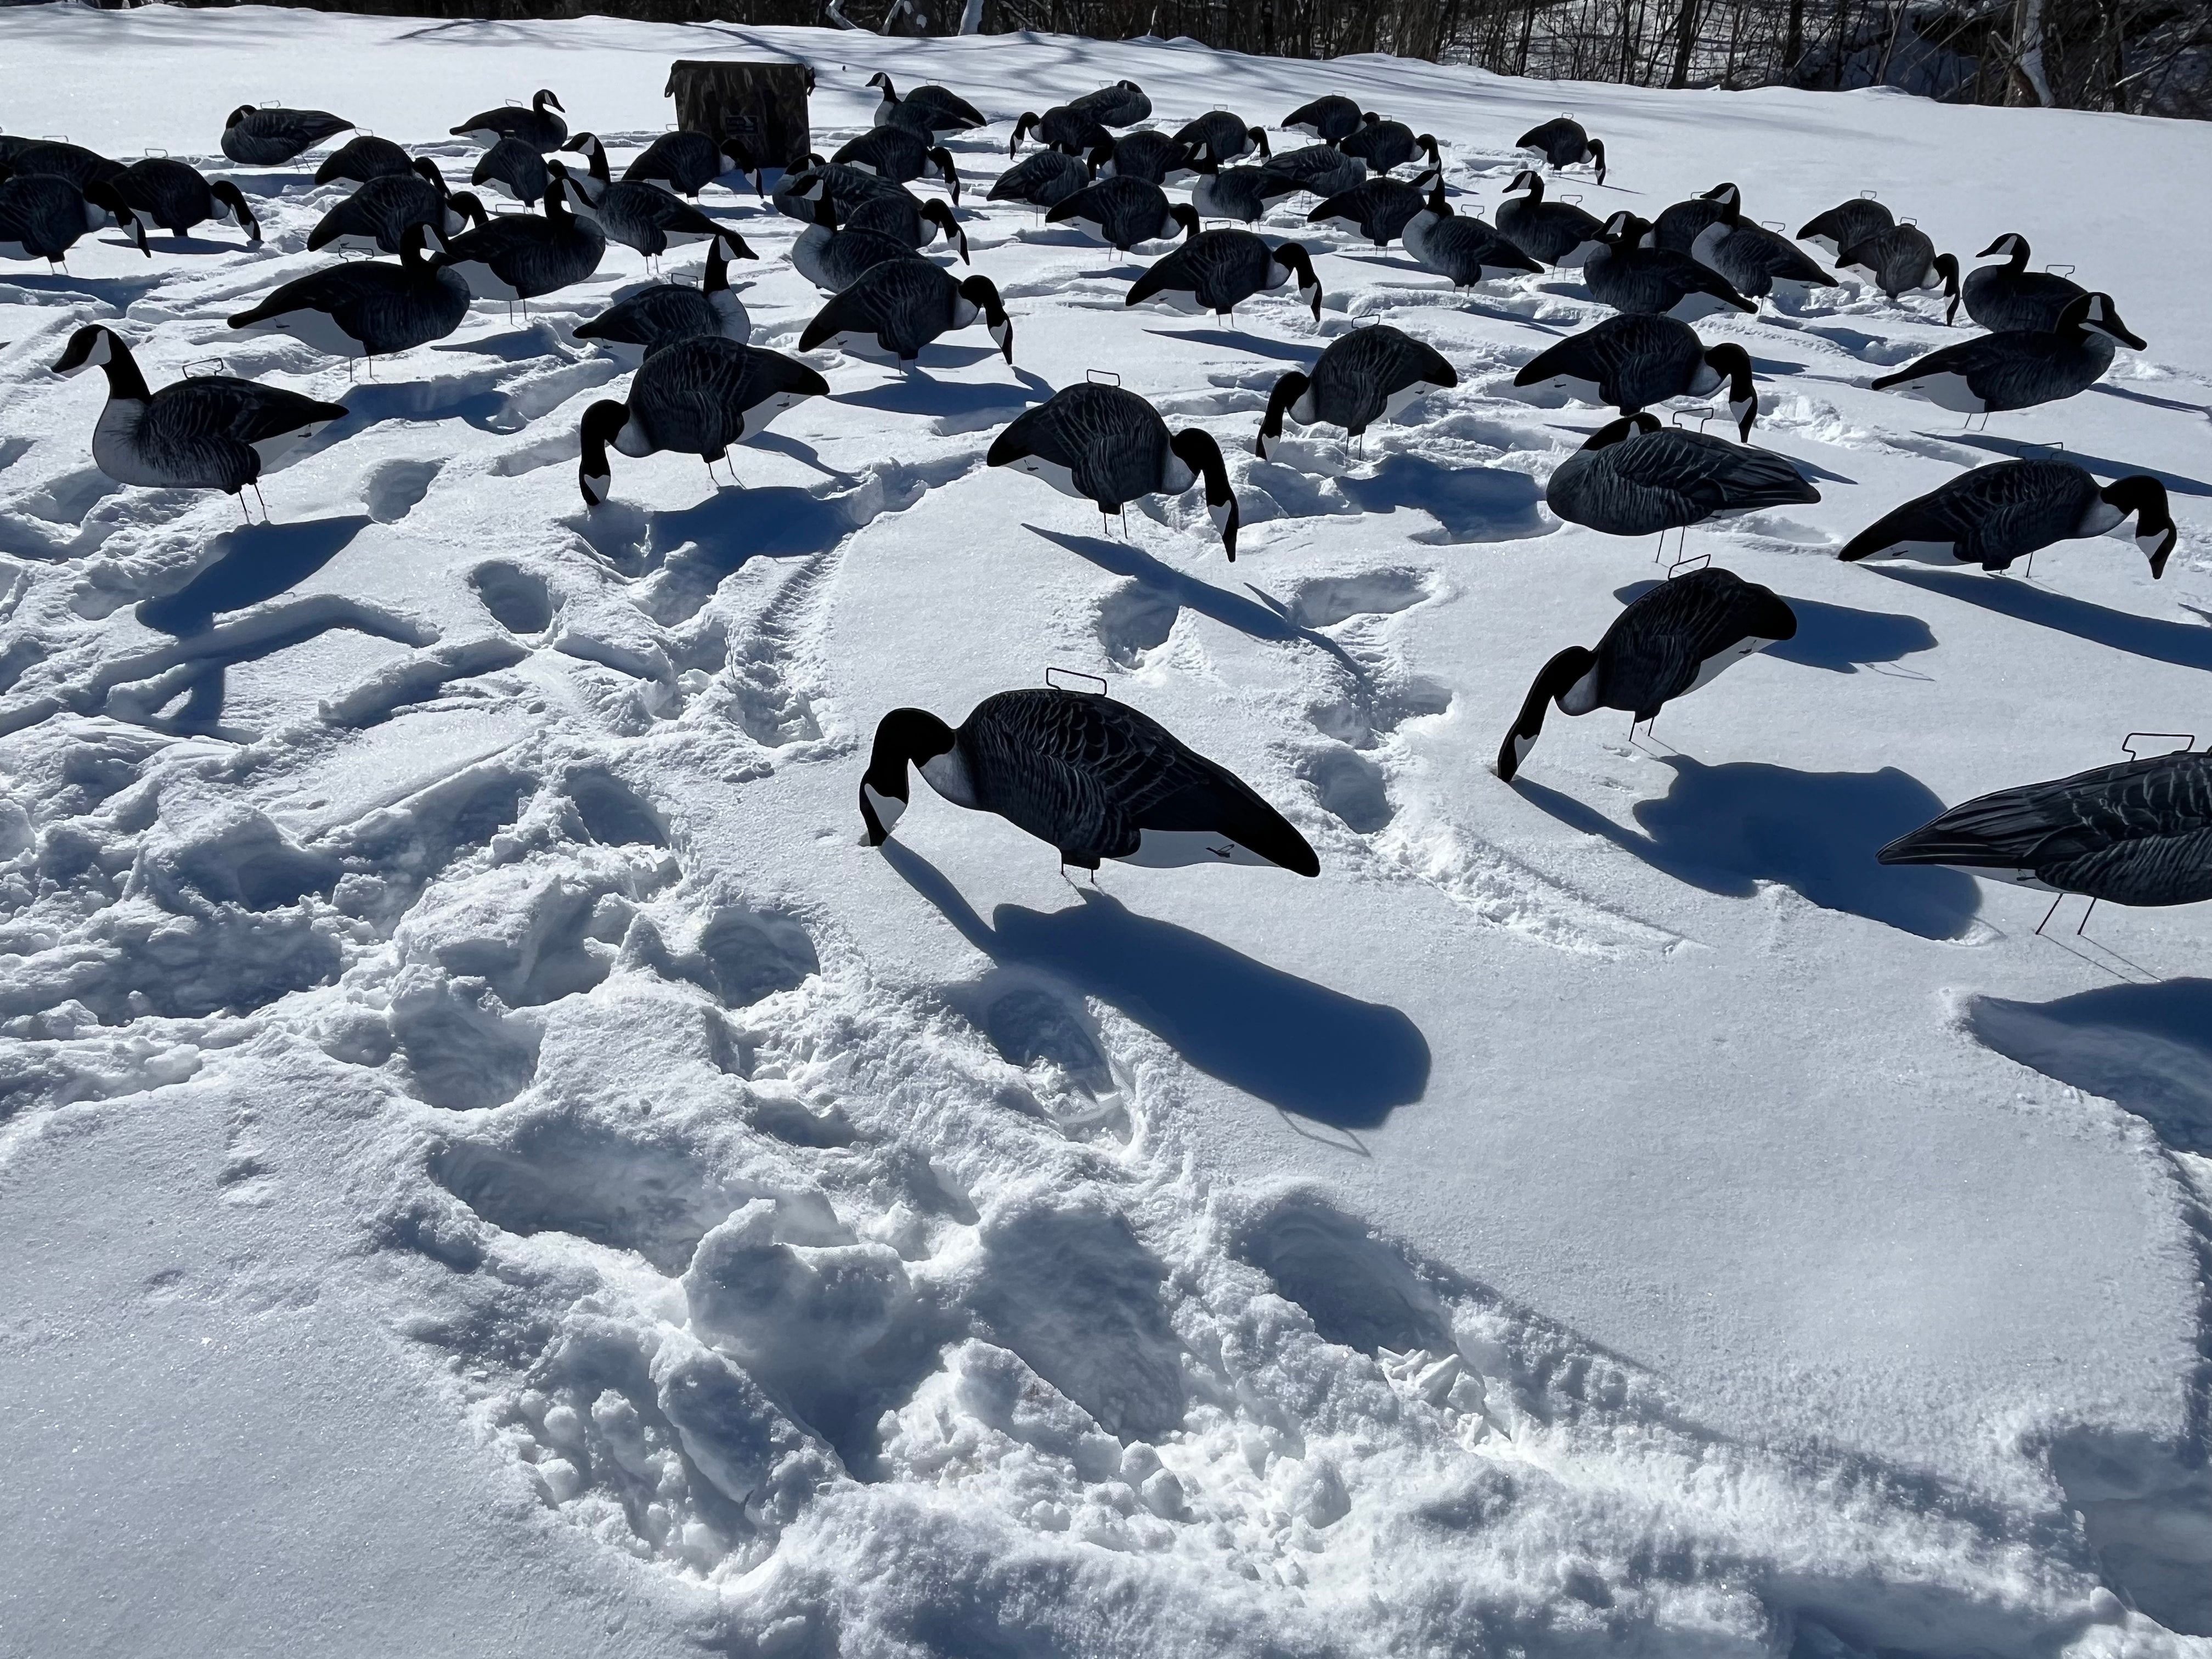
(493, 1165)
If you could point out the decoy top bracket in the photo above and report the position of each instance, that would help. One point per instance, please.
(2186, 740)
(1096, 681)
(1102, 377)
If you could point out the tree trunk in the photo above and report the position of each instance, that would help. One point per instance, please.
(1685, 40)
(2028, 85)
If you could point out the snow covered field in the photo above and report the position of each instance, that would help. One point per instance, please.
(491, 1164)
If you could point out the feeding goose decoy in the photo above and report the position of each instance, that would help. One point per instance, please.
(641, 215)
(1122, 105)
(1387, 144)
(1043, 178)
(687, 162)
(63, 160)
(640, 323)
(362, 158)
(1638, 477)
(692, 396)
(1633, 362)
(175, 197)
(374, 218)
(900, 153)
(204, 432)
(1143, 154)
(1216, 269)
(519, 256)
(942, 108)
(833, 258)
(364, 308)
(1088, 776)
(894, 309)
(1460, 247)
(1665, 644)
(1331, 117)
(1368, 375)
(513, 169)
(1757, 262)
(1238, 193)
(1378, 208)
(1062, 128)
(1223, 137)
(1321, 168)
(42, 215)
(2010, 295)
(1564, 143)
(1108, 446)
(1902, 260)
(1678, 226)
(539, 126)
(2011, 510)
(1651, 282)
(1557, 232)
(1846, 225)
(2019, 368)
(2137, 833)
(864, 201)
(1123, 212)
(270, 137)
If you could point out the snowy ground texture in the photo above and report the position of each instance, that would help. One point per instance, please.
(492, 1165)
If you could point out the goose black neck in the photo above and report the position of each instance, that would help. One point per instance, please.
(1288, 390)
(1553, 681)
(905, 737)
(124, 379)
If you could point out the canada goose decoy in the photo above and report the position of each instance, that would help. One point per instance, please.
(63, 160)
(641, 215)
(1043, 178)
(1678, 226)
(892, 310)
(1122, 105)
(1460, 247)
(1143, 154)
(1060, 127)
(2010, 295)
(270, 137)
(204, 432)
(1564, 143)
(362, 158)
(2137, 833)
(175, 197)
(2019, 367)
(364, 308)
(1665, 644)
(1638, 477)
(943, 109)
(1331, 117)
(1216, 269)
(1384, 145)
(374, 218)
(538, 126)
(2012, 510)
(1089, 776)
(513, 169)
(1377, 207)
(900, 153)
(1902, 260)
(1756, 261)
(1846, 225)
(1224, 138)
(687, 162)
(693, 396)
(42, 215)
(833, 258)
(1650, 282)
(1631, 363)
(1556, 233)
(1108, 446)
(1238, 193)
(864, 202)
(1368, 375)
(519, 256)
(1123, 212)
(642, 322)
(1321, 168)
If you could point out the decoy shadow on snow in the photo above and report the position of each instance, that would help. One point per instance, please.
(2146, 1047)
(1469, 503)
(253, 563)
(1840, 638)
(1299, 1046)
(2186, 645)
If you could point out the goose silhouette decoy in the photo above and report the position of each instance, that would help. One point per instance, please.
(1668, 642)
(692, 396)
(1143, 154)
(1368, 375)
(1902, 260)
(1633, 362)
(1238, 193)
(2139, 833)
(1378, 208)
(1123, 212)
(900, 153)
(175, 197)
(1122, 105)
(374, 218)
(1331, 117)
(362, 158)
(687, 162)
(640, 322)
(205, 432)
(941, 108)
(1563, 143)
(1043, 178)
(2018, 368)
(1224, 137)
(365, 308)
(1846, 225)
(1637, 478)
(894, 309)
(1384, 145)
(43, 216)
(1060, 127)
(1321, 168)
(1216, 269)
(1108, 446)
(1090, 777)
(513, 169)
(1756, 261)
(2011, 510)
(519, 256)
(1460, 247)
(539, 126)
(864, 201)
(270, 137)
(1652, 282)
(1678, 226)
(1556, 233)
(832, 257)
(63, 160)
(2010, 295)
(641, 216)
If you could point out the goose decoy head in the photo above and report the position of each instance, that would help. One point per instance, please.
(907, 736)
(237, 115)
(1946, 265)
(1196, 449)
(91, 347)
(2095, 314)
(1530, 180)
(1597, 155)
(109, 201)
(544, 99)
(2011, 246)
(1553, 682)
(1022, 126)
(2143, 498)
(429, 169)
(1732, 363)
(467, 208)
(1186, 216)
(1101, 157)
(1623, 227)
(585, 145)
(1294, 258)
(983, 293)
(1293, 385)
(1258, 137)
(880, 79)
(1726, 195)
(1628, 426)
(941, 159)
(1427, 141)
(602, 423)
(937, 213)
(232, 203)
(1436, 203)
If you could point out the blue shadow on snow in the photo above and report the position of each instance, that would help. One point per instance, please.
(253, 563)
(1836, 637)
(2146, 1047)
(2186, 645)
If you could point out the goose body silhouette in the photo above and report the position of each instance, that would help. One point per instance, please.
(270, 137)
(1062, 128)
(1223, 136)
(175, 197)
(1637, 478)
(365, 308)
(1756, 261)
(1368, 375)
(1377, 208)
(894, 309)
(1123, 212)
(640, 323)
(1631, 363)
(2019, 368)
(1563, 143)
(1903, 260)
(926, 109)
(1152, 156)
(1846, 225)
(540, 125)
(2008, 510)
(1122, 105)
(1384, 145)
(362, 158)
(519, 256)
(695, 396)
(513, 169)
(2010, 296)
(1678, 226)
(900, 153)
(686, 162)
(1650, 282)
(1108, 446)
(1043, 178)
(1460, 246)
(43, 216)
(1329, 117)
(375, 218)
(1554, 232)
(1321, 168)
(1216, 269)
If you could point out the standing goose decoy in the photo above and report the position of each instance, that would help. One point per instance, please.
(1332, 118)
(1902, 260)
(894, 309)
(270, 137)
(1122, 105)
(1109, 447)
(361, 158)
(1145, 154)
(175, 197)
(1378, 208)
(1216, 270)
(900, 153)
(1238, 193)
(693, 396)
(2010, 295)
(1321, 168)
(1368, 375)
(1847, 224)
(537, 126)
(1384, 145)
(1631, 363)
(1062, 128)
(1089, 776)
(365, 308)
(1043, 178)
(42, 215)
(640, 324)
(1557, 232)
(205, 432)
(687, 162)
(1637, 478)
(1678, 226)
(2019, 368)
(1650, 282)
(1223, 137)
(1459, 247)
(519, 256)
(1756, 261)
(514, 170)
(1666, 643)
(2012, 510)
(1123, 212)
(374, 218)
(943, 109)
(2138, 833)
(1564, 143)
(62, 160)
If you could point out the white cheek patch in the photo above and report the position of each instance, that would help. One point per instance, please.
(1167, 849)
(598, 484)
(887, 808)
(1581, 697)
